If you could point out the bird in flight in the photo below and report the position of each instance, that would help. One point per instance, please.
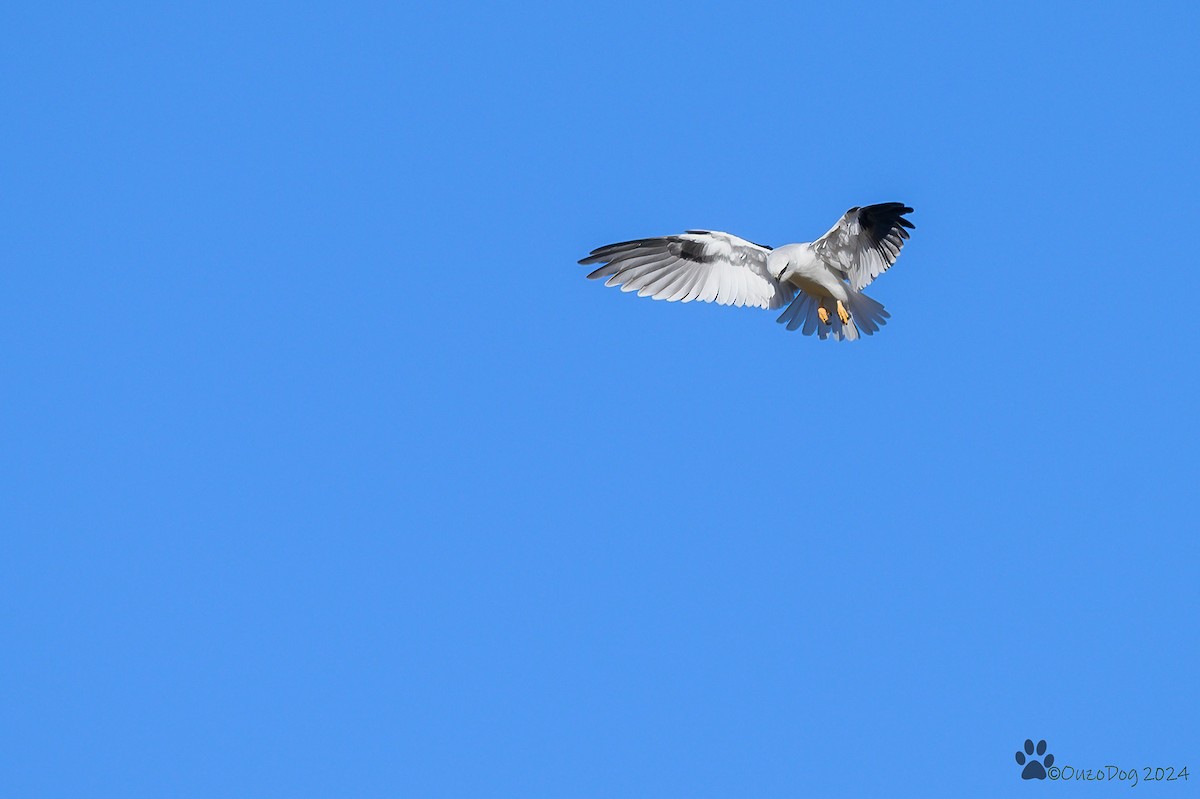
(820, 282)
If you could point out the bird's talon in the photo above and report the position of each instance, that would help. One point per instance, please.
(843, 314)
(823, 315)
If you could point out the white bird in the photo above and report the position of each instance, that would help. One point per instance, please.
(822, 280)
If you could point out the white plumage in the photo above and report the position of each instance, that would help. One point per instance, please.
(821, 282)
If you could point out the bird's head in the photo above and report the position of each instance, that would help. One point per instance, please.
(777, 264)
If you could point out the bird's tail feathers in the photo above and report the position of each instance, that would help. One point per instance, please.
(866, 316)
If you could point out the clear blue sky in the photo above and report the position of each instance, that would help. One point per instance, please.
(326, 473)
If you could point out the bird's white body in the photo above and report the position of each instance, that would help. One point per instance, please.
(820, 282)
(800, 265)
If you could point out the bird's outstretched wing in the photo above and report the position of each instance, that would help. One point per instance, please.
(865, 241)
(704, 265)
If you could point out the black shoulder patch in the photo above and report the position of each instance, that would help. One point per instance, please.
(693, 251)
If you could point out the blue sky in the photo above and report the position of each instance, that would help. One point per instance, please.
(326, 473)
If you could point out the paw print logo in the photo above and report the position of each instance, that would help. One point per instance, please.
(1035, 769)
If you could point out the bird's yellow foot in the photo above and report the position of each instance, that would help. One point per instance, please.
(823, 314)
(843, 314)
